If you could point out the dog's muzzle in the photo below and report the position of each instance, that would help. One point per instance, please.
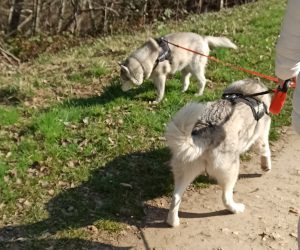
(125, 86)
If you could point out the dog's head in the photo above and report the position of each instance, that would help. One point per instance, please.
(131, 74)
(138, 66)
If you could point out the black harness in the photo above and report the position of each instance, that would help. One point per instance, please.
(259, 108)
(165, 53)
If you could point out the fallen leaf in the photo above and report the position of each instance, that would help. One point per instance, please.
(27, 203)
(6, 178)
(293, 235)
(293, 210)
(126, 185)
(71, 164)
(18, 181)
(51, 192)
(85, 120)
(44, 184)
(111, 141)
(92, 228)
(12, 173)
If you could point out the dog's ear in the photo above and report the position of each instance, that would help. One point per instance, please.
(153, 44)
(123, 67)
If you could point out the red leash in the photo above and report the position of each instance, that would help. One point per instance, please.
(252, 72)
(279, 93)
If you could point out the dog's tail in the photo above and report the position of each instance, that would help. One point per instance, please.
(179, 133)
(220, 42)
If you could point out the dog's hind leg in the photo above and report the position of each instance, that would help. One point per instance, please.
(182, 179)
(159, 82)
(185, 78)
(227, 177)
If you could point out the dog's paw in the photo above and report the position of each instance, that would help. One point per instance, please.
(237, 208)
(265, 163)
(266, 169)
(154, 102)
(172, 220)
(199, 94)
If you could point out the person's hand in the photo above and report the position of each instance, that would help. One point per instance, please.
(293, 81)
(280, 81)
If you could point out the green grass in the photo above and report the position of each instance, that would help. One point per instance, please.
(76, 151)
(8, 116)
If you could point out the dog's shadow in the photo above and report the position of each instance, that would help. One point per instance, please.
(115, 192)
(58, 244)
(156, 216)
(112, 92)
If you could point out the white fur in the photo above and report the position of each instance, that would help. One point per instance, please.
(140, 63)
(179, 130)
(216, 150)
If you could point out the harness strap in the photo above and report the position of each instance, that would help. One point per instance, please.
(250, 95)
(259, 109)
(165, 53)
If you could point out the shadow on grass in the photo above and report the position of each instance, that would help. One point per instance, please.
(114, 193)
(58, 244)
(146, 93)
(111, 93)
(11, 95)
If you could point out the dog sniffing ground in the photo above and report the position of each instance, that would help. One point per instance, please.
(269, 222)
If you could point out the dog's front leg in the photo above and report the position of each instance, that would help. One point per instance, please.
(159, 82)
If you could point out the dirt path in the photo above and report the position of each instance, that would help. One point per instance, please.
(269, 222)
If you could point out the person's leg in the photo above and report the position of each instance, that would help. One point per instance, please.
(296, 107)
(299, 234)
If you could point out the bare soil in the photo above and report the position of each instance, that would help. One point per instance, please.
(269, 222)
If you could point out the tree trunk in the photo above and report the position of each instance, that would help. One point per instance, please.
(92, 16)
(61, 16)
(14, 17)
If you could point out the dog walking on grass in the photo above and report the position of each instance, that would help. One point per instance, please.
(157, 58)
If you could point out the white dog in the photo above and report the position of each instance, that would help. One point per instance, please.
(156, 59)
(209, 138)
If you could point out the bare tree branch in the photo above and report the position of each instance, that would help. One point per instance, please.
(101, 8)
(10, 57)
